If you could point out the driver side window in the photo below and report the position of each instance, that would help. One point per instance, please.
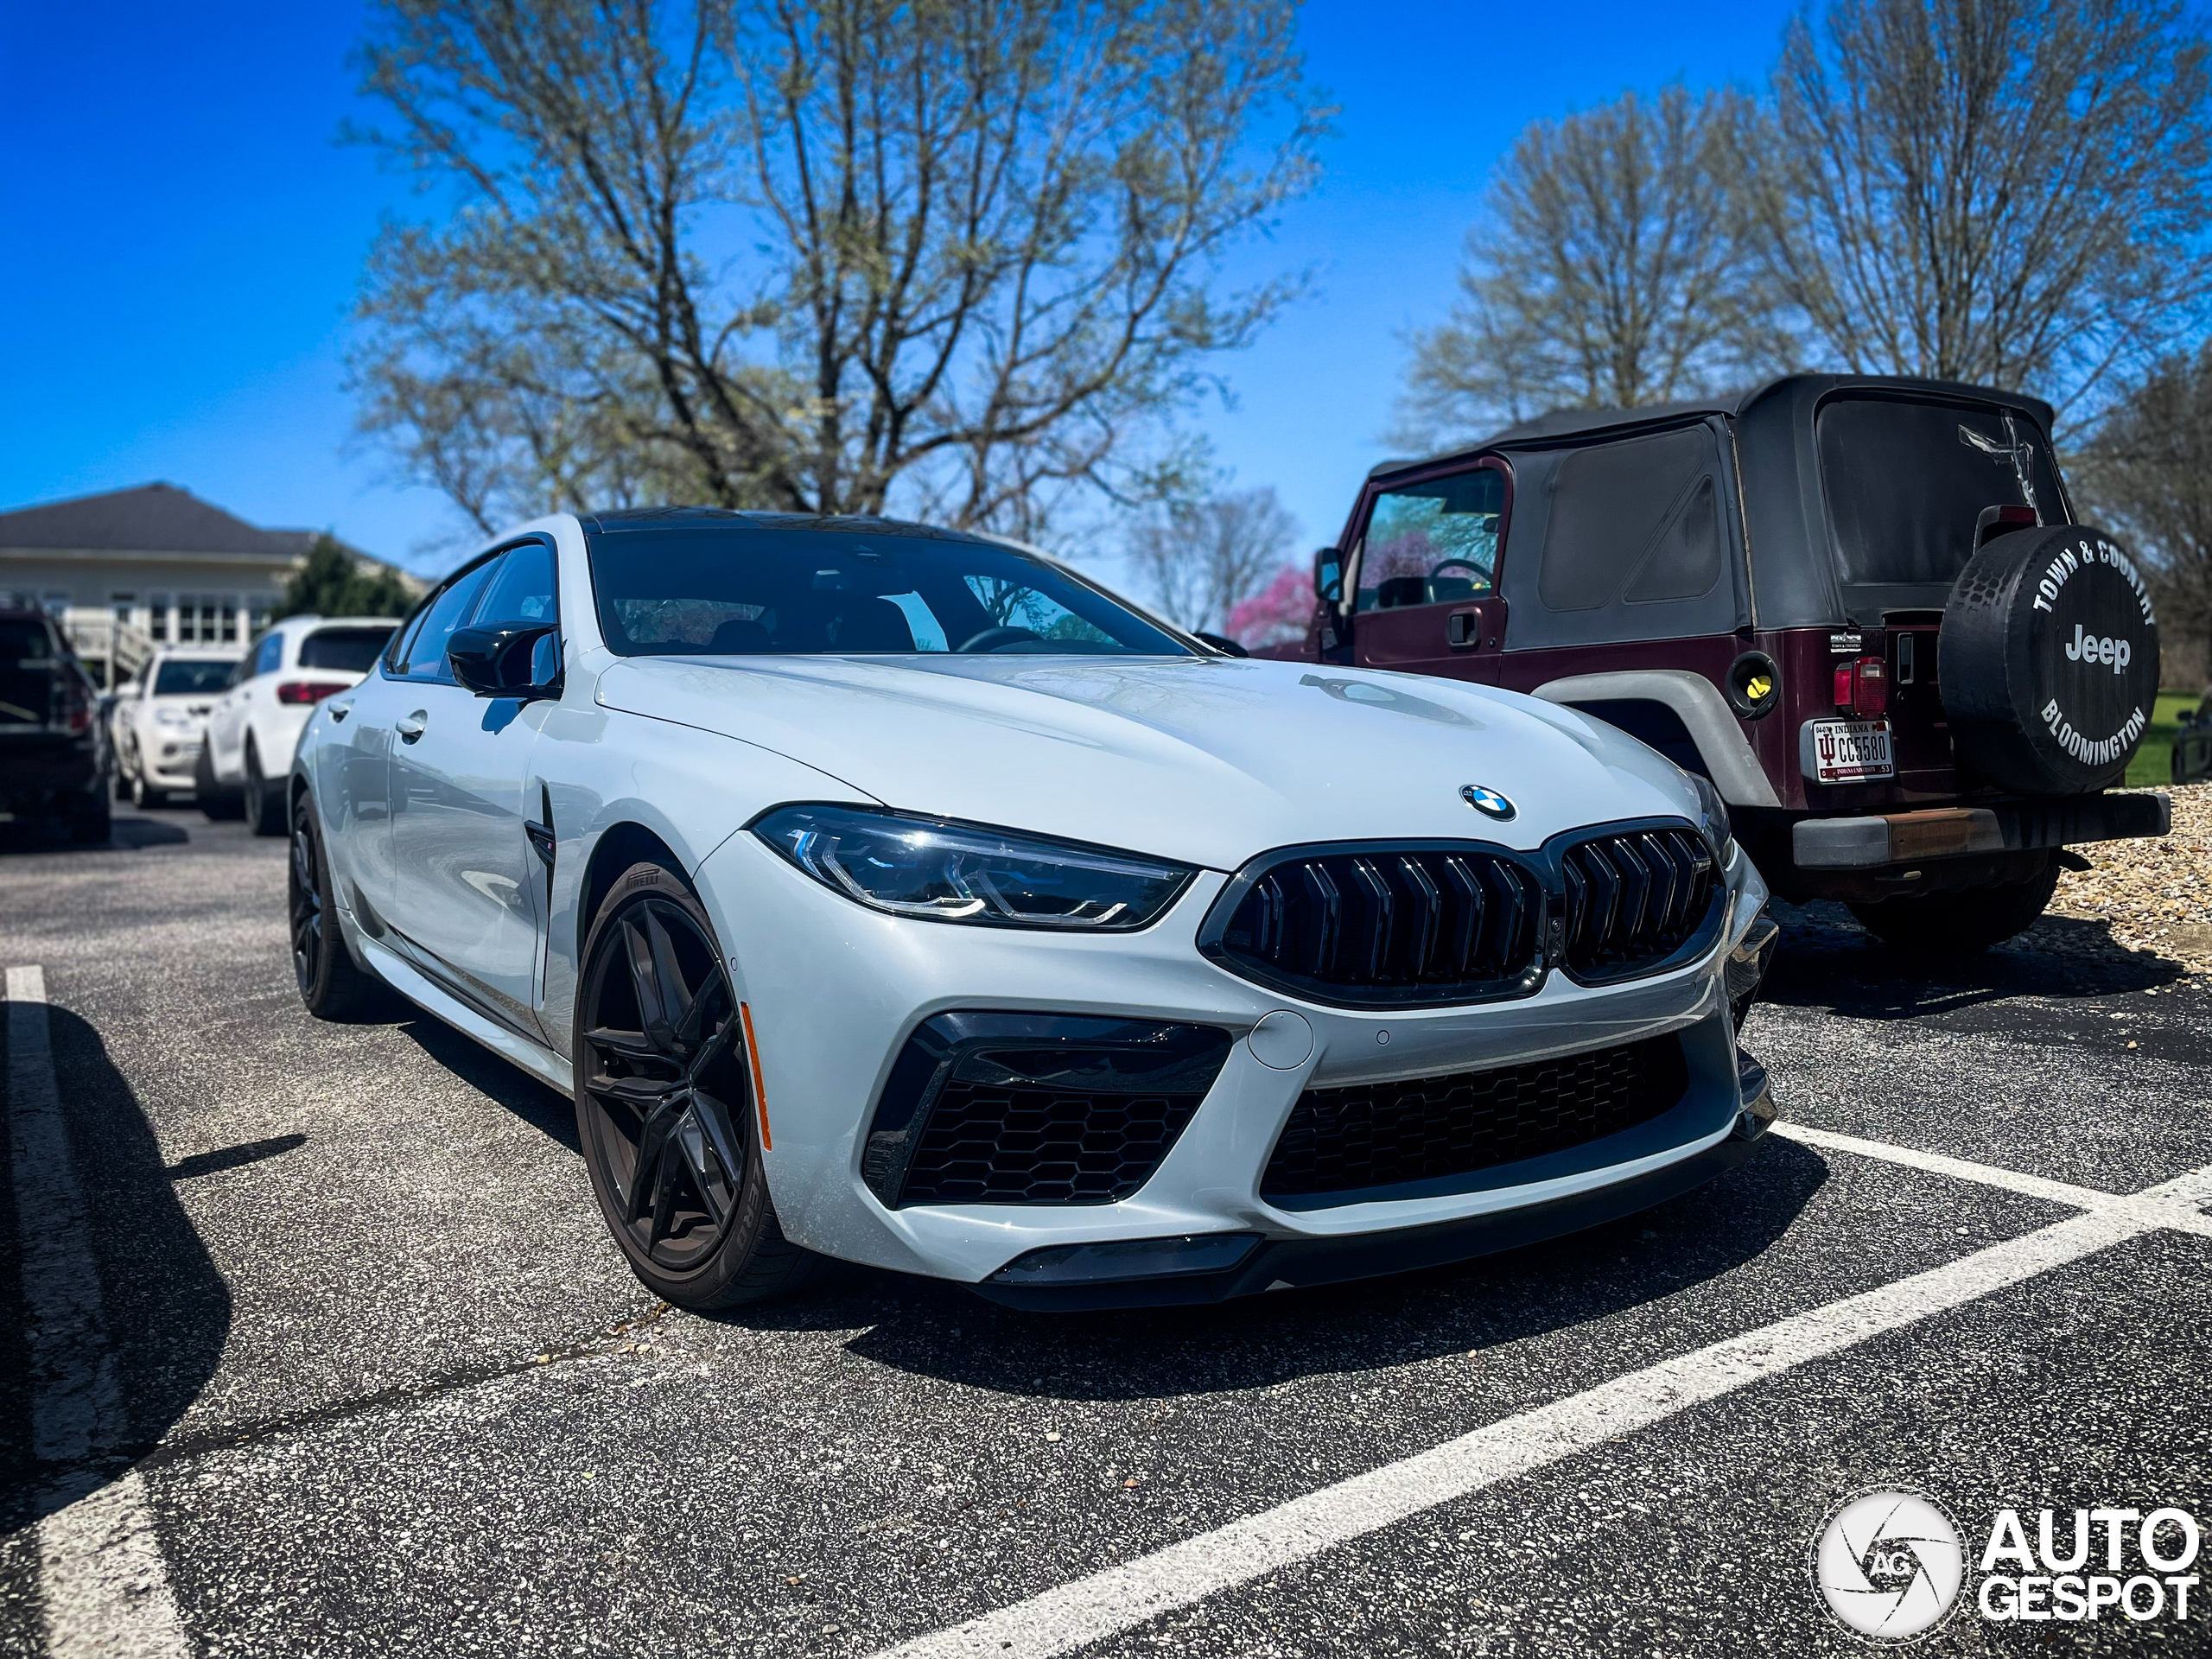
(1432, 542)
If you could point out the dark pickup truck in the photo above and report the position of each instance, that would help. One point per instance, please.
(1862, 606)
(52, 746)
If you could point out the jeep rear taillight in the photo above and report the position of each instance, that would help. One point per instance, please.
(1862, 688)
(297, 691)
(76, 715)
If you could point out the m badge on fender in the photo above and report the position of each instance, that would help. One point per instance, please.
(1487, 801)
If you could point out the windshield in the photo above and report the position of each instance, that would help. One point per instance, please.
(183, 678)
(747, 590)
(1907, 482)
(350, 650)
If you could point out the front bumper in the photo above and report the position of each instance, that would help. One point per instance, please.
(836, 990)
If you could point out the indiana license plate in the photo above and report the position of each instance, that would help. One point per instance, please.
(1850, 751)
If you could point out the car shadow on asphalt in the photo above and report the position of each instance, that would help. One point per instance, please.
(543, 1109)
(945, 1333)
(124, 835)
(167, 1310)
(1828, 962)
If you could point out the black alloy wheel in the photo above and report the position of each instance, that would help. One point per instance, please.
(331, 985)
(665, 1103)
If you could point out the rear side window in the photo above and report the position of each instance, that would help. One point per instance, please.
(1907, 483)
(346, 651)
(1637, 522)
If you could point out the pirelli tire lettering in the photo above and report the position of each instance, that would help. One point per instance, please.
(2049, 661)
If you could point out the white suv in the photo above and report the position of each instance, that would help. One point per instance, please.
(159, 718)
(251, 732)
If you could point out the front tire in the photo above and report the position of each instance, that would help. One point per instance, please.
(1959, 924)
(331, 982)
(665, 1103)
(142, 795)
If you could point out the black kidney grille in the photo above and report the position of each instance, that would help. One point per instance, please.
(1384, 1135)
(1436, 924)
(985, 1145)
(1633, 899)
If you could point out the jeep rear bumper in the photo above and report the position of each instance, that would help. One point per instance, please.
(1902, 838)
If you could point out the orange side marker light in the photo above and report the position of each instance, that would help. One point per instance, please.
(752, 1069)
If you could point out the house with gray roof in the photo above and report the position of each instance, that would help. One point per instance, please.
(130, 569)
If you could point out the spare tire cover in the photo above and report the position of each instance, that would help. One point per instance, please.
(2049, 661)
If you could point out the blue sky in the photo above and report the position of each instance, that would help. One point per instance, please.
(187, 234)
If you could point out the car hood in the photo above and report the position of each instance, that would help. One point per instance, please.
(1204, 760)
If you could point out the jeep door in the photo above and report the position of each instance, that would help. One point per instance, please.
(1426, 597)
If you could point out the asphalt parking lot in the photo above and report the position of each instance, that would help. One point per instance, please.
(356, 1370)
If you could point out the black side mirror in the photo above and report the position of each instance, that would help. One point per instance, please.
(1329, 575)
(496, 662)
(1222, 642)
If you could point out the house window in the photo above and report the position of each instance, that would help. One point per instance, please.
(157, 618)
(230, 633)
(58, 602)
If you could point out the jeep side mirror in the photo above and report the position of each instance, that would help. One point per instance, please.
(507, 662)
(1329, 575)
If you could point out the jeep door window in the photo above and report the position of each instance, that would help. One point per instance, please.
(1432, 542)
(744, 590)
(1907, 482)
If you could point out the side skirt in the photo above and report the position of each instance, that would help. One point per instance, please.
(426, 993)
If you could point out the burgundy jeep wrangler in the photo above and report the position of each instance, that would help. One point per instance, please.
(1862, 607)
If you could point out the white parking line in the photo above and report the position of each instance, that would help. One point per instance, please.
(2183, 1217)
(104, 1586)
(1121, 1598)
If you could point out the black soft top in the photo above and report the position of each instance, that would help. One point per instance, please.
(1784, 505)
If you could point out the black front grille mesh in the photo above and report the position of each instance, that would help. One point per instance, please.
(1382, 1135)
(1632, 899)
(991, 1108)
(986, 1145)
(1392, 925)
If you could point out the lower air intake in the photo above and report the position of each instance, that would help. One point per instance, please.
(1385, 1134)
(1035, 1109)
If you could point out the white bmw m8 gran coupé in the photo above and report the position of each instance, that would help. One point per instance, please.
(890, 894)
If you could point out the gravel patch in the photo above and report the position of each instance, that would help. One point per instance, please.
(2153, 896)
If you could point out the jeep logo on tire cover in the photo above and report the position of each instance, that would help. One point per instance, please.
(2049, 661)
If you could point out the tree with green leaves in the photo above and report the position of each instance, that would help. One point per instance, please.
(962, 256)
(331, 582)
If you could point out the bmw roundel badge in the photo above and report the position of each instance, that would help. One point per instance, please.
(1487, 801)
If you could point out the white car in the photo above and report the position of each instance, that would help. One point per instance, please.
(899, 895)
(159, 718)
(253, 729)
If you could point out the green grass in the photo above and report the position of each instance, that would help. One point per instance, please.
(2153, 763)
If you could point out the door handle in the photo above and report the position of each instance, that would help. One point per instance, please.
(410, 727)
(340, 710)
(1463, 629)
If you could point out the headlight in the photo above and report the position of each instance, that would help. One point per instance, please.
(1713, 817)
(172, 717)
(969, 873)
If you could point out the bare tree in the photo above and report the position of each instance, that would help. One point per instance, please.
(2004, 191)
(2147, 470)
(805, 254)
(1605, 272)
(1202, 557)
